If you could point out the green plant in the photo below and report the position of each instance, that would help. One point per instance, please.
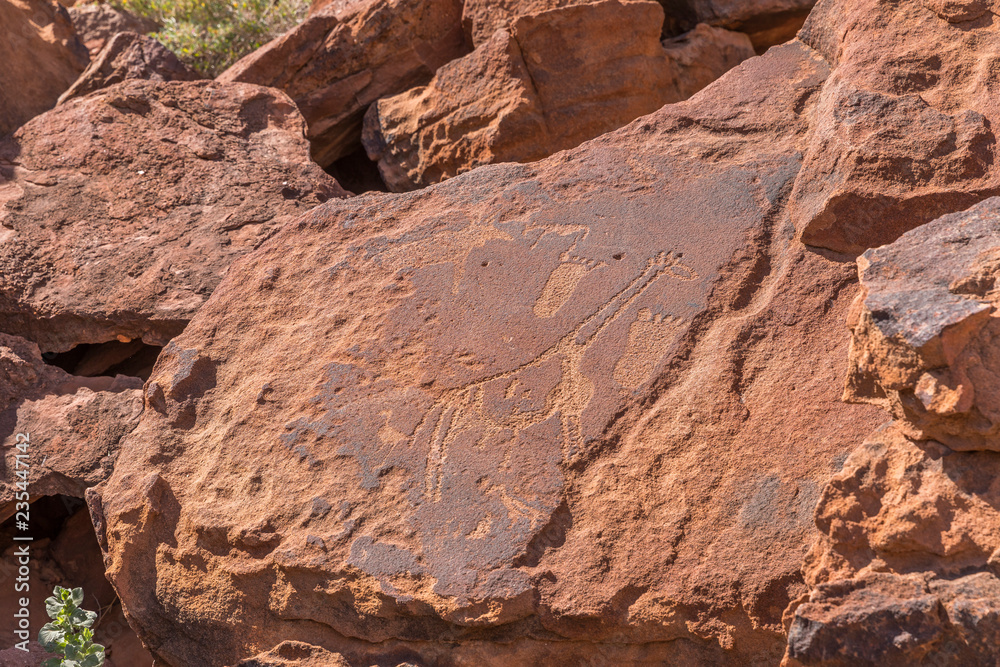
(210, 35)
(69, 633)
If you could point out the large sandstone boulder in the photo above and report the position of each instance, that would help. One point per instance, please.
(556, 79)
(904, 128)
(41, 56)
(72, 425)
(120, 211)
(575, 411)
(342, 59)
(97, 22)
(129, 55)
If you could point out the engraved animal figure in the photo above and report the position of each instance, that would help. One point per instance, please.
(501, 407)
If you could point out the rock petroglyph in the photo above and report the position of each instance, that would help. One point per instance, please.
(479, 406)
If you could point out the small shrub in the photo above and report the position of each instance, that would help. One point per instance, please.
(69, 634)
(210, 35)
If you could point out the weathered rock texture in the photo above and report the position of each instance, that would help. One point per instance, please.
(129, 55)
(120, 211)
(96, 23)
(702, 55)
(903, 132)
(342, 59)
(925, 330)
(556, 79)
(41, 57)
(533, 415)
(73, 425)
(905, 570)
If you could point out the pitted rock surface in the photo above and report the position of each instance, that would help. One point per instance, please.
(904, 129)
(41, 55)
(768, 22)
(129, 55)
(120, 211)
(905, 570)
(473, 413)
(346, 56)
(925, 328)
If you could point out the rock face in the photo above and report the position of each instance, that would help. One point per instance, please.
(73, 425)
(120, 211)
(129, 55)
(461, 424)
(342, 59)
(905, 570)
(556, 79)
(904, 128)
(41, 57)
(923, 343)
(96, 23)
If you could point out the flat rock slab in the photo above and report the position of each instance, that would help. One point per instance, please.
(592, 400)
(923, 335)
(41, 55)
(120, 211)
(347, 56)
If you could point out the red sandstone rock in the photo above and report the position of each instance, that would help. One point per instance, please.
(534, 414)
(74, 424)
(120, 211)
(925, 328)
(482, 18)
(41, 57)
(97, 23)
(905, 570)
(898, 620)
(296, 654)
(129, 55)
(904, 128)
(556, 79)
(342, 59)
(702, 55)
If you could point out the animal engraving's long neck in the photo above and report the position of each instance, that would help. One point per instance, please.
(599, 321)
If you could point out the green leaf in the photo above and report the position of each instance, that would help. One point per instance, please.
(78, 596)
(50, 637)
(52, 607)
(52, 662)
